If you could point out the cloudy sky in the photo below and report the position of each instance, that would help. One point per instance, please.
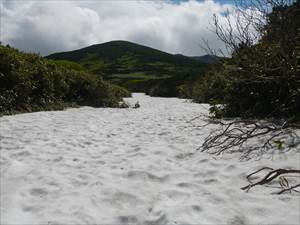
(48, 26)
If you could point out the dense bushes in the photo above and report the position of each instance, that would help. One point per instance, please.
(261, 79)
(154, 86)
(212, 87)
(31, 83)
(267, 76)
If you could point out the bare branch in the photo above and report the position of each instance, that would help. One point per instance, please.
(289, 189)
(272, 175)
(237, 136)
(244, 25)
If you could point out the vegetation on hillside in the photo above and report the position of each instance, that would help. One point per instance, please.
(29, 83)
(122, 57)
(261, 79)
(136, 67)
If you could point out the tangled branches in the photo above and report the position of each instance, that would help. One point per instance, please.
(284, 183)
(251, 137)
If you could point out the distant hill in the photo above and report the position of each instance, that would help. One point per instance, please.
(122, 57)
(208, 59)
(134, 66)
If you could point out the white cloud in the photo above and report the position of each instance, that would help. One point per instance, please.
(51, 26)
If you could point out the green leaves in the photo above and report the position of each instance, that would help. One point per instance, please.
(29, 83)
(261, 80)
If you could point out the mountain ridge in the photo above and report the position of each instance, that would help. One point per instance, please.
(115, 43)
(123, 54)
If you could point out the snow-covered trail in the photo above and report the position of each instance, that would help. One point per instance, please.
(129, 166)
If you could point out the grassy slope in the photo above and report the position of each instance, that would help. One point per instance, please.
(133, 66)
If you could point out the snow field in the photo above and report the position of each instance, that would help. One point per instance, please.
(130, 166)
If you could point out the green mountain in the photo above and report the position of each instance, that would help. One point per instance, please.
(133, 66)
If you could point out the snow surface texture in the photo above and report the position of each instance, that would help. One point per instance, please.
(130, 166)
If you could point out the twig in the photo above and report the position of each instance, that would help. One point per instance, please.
(289, 189)
(257, 171)
(269, 177)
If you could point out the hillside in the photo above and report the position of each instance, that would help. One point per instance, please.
(122, 57)
(136, 67)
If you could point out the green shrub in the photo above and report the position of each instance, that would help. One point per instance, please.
(120, 92)
(212, 88)
(260, 80)
(30, 83)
